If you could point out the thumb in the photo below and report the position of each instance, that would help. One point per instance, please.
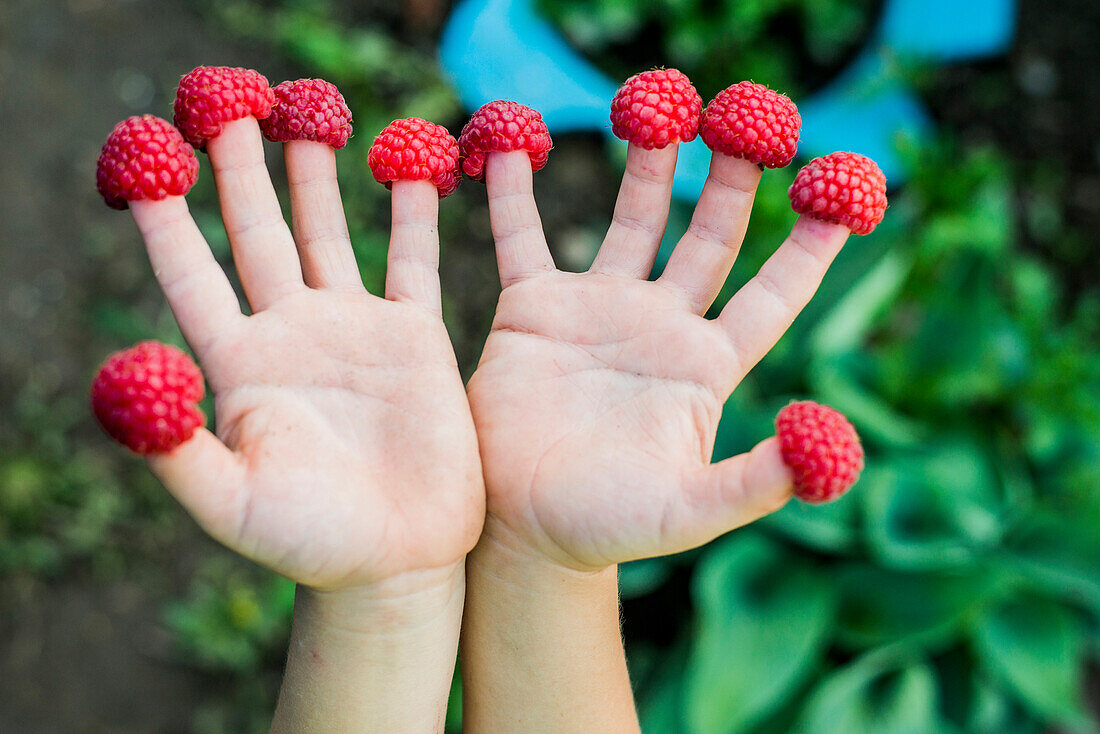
(738, 490)
(209, 481)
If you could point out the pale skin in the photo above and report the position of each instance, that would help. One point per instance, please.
(596, 402)
(345, 456)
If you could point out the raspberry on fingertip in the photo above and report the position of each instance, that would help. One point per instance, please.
(750, 121)
(501, 127)
(413, 149)
(655, 109)
(841, 188)
(146, 397)
(210, 96)
(145, 158)
(308, 109)
(821, 448)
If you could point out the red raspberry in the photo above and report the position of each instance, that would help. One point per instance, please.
(501, 127)
(146, 397)
(750, 121)
(415, 150)
(821, 448)
(655, 109)
(145, 158)
(308, 109)
(210, 96)
(841, 188)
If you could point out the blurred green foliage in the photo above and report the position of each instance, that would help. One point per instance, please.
(792, 44)
(956, 590)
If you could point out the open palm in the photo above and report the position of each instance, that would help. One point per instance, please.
(598, 395)
(345, 451)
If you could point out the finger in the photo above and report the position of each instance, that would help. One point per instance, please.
(209, 481)
(734, 492)
(198, 292)
(704, 256)
(517, 229)
(412, 265)
(317, 216)
(263, 248)
(758, 314)
(641, 213)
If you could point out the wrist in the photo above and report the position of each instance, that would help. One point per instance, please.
(503, 556)
(375, 658)
(394, 606)
(541, 644)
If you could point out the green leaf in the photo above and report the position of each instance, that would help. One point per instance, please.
(934, 510)
(764, 619)
(661, 704)
(928, 610)
(830, 528)
(875, 694)
(871, 415)
(639, 578)
(846, 326)
(1037, 648)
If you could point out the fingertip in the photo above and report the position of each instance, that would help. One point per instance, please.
(767, 477)
(653, 166)
(308, 160)
(414, 197)
(809, 230)
(735, 173)
(508, 171)
(237, 139)
(149, 212)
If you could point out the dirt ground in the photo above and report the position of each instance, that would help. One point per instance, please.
(78, 656)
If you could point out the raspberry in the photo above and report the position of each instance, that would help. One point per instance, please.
(415, 150)
(210, 96)
(145, 158)
(501, 127)
(308, 109)
(750, 121)
(841, 188)
(821, 448)
(146, 397)
(655, 109)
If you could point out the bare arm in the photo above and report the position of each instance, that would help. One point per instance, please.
(345, 456)
(596, 402)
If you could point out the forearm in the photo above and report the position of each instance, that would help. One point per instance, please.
(541, 647)
(372, 661)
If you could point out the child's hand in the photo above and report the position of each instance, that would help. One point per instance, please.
(598, 394)
(345, 455)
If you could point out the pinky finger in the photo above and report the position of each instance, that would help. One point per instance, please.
(209, 481)
(765, 307)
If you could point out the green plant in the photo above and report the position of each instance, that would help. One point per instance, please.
(954, 589)
(792, 45)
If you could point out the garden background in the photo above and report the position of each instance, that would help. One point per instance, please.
(957, 589)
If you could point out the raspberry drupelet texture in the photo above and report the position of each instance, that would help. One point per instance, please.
(415, 150)
(750, 121)
(656, 108)
(145, 158)
(841, 188)
(501, 127)
(146, 397)
(821, 448)
(210, 96)
(308, 109)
